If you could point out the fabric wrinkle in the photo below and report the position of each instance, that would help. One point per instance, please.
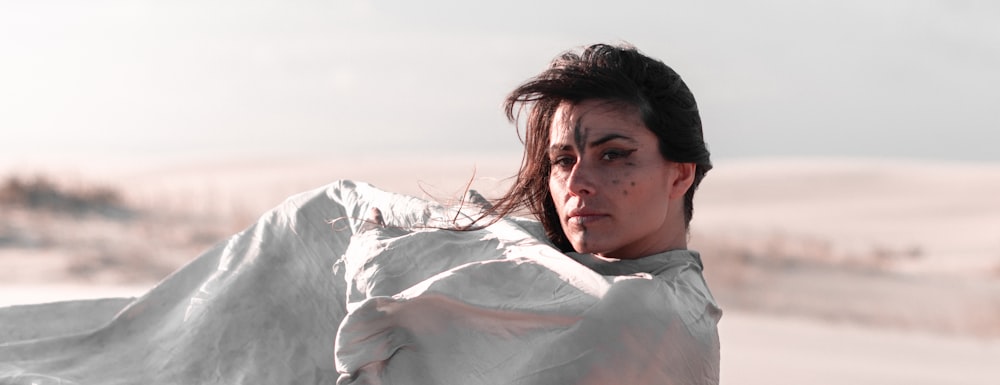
(299, 297)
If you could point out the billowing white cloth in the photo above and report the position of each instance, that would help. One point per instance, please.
(312, 294)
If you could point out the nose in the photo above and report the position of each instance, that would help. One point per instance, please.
(580, 181)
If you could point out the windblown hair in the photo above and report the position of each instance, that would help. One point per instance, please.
(618, 74)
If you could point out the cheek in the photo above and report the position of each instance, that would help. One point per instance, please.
(559, 181)
(628, 186)
(555, 185)
(556, 192)
(625, 183)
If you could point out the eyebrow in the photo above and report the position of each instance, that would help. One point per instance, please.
(608, 138)
(598, 142)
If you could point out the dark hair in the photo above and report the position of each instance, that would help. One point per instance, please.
(619, 74)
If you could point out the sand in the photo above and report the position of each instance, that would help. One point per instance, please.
(764, 349)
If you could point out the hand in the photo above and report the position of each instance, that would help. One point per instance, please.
(373, 221)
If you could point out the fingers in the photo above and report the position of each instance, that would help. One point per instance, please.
(376, 216)
(373, 221)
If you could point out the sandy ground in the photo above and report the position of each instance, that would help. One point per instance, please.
(922, 217)
(830, 271)
(765, 349)
(38, 293)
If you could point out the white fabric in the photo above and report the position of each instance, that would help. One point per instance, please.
(313, 294)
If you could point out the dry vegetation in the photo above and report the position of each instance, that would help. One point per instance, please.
(91, 233)
(41, 193)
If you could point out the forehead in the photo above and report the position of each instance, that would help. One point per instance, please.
(596, 117)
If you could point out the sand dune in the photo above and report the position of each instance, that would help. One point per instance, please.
(945, 216)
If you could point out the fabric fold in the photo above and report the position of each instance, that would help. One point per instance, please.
(311, 294)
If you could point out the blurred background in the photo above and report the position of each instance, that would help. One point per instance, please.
(851, 227)
(909, 79)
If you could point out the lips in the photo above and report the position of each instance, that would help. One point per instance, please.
(583, 216)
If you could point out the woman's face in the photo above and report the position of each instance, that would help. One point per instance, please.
(614, 193)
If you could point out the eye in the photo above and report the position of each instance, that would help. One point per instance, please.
(563, 161)
(616, 154)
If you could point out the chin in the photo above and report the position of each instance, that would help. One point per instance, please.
(581, 250)
(590, 247)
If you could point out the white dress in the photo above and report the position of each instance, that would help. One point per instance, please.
(311, 295)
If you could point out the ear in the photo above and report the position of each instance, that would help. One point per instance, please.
(680, 179)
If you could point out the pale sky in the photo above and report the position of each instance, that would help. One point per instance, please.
(911, 79)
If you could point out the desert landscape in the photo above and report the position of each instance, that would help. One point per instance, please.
(829, 271)
(850, 229)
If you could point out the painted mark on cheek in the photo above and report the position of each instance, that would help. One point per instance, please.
(632, 183)
(624, 192)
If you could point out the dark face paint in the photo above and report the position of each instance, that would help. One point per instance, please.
(580, 137)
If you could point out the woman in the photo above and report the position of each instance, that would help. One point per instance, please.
(613, 153)
(601, 291)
